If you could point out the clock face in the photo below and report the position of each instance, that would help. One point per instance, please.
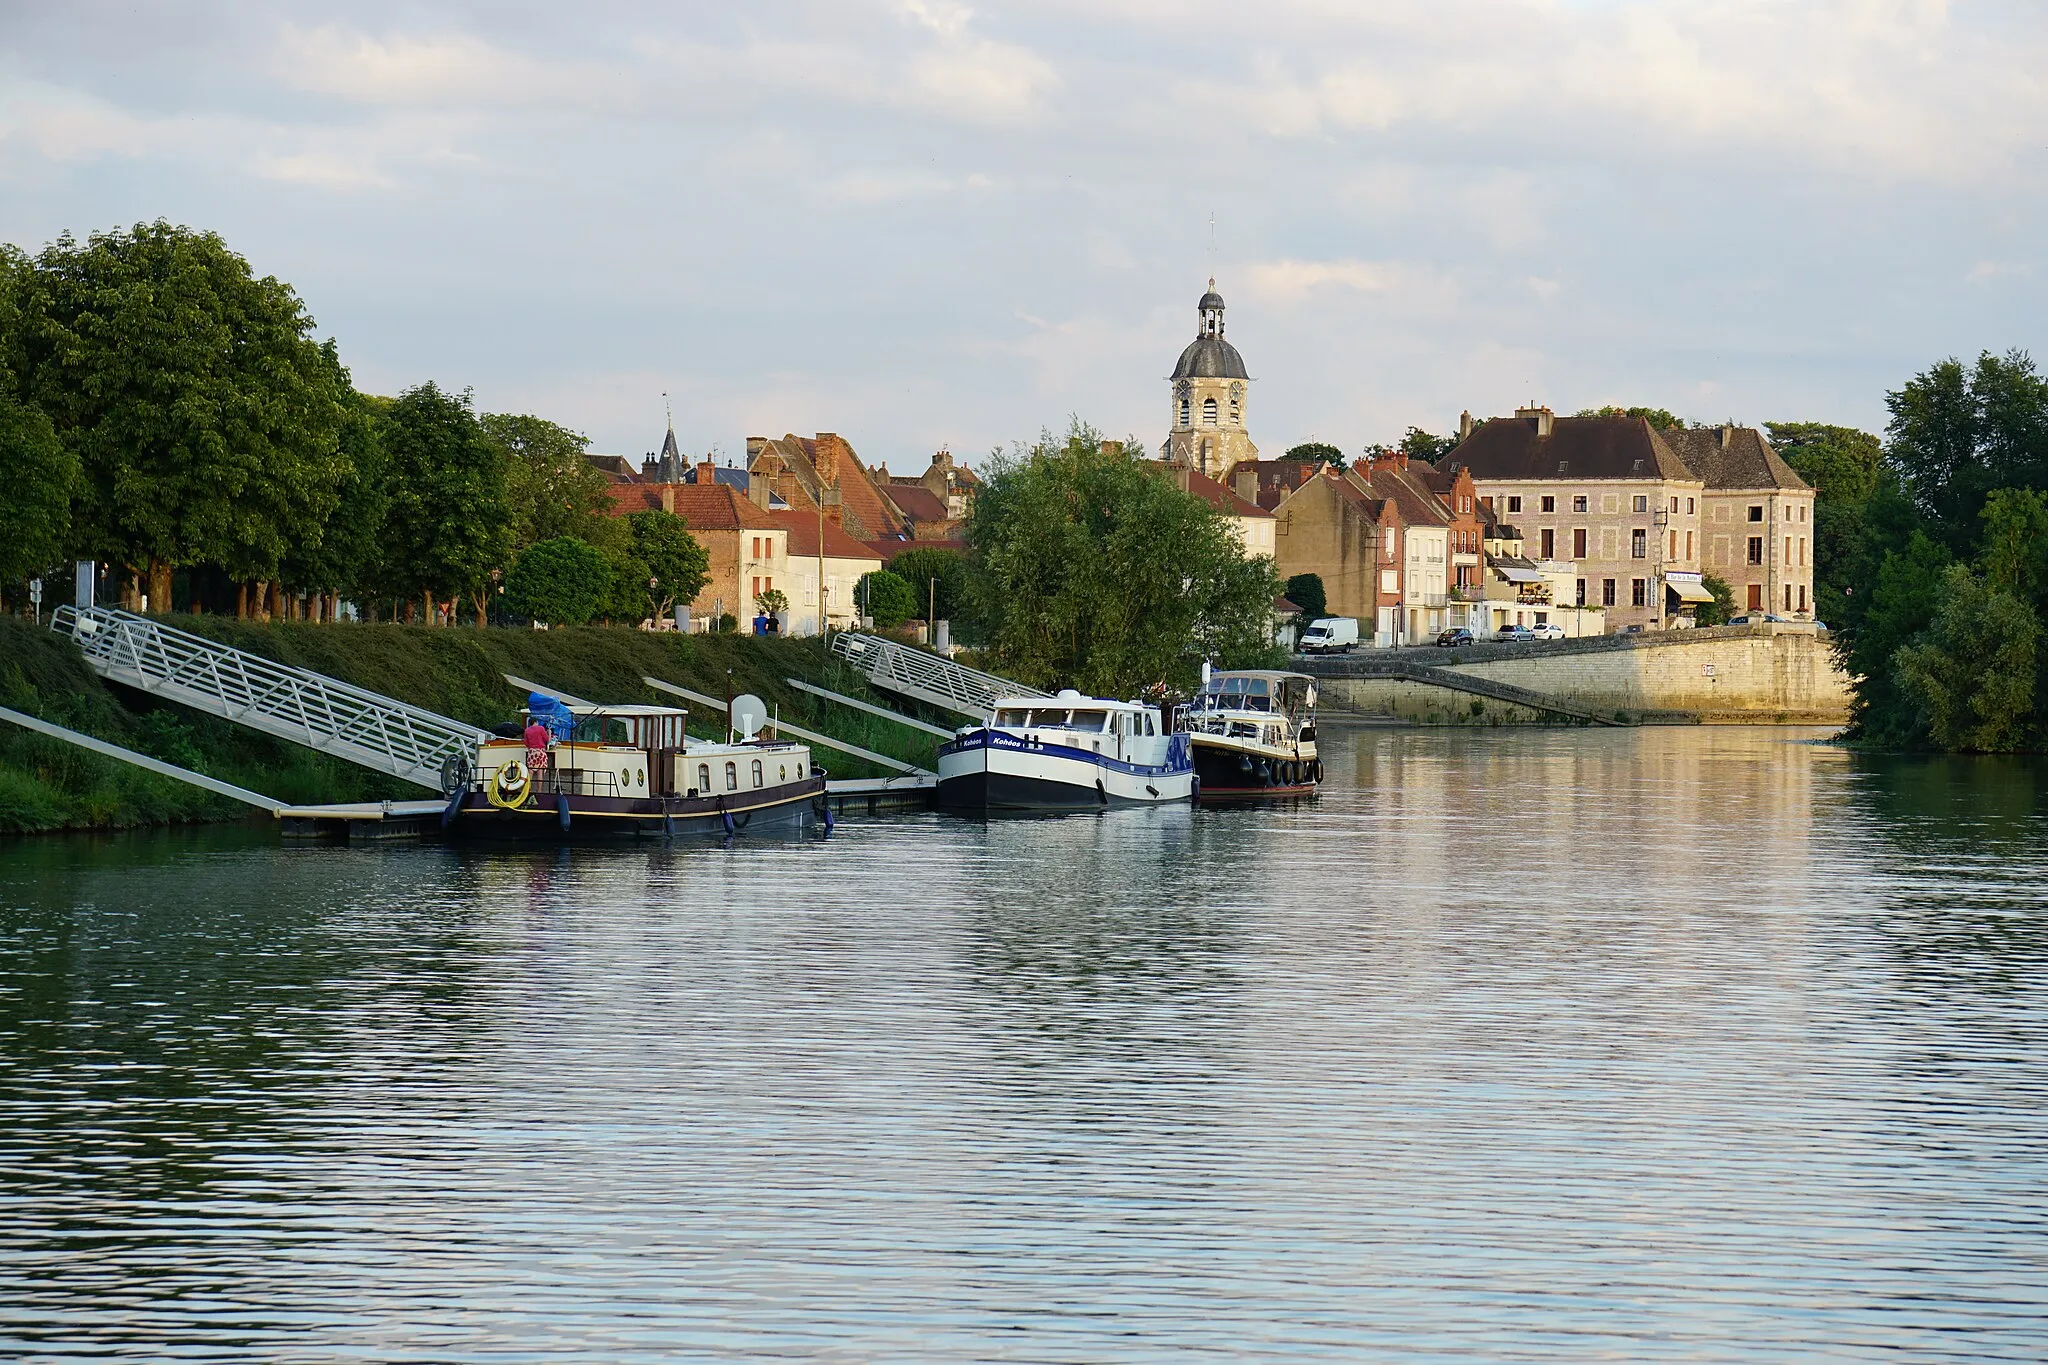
(1237, 392)
(1185, 389)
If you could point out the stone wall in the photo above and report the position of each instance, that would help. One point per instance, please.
(1763, 673)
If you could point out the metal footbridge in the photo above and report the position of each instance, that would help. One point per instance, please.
(927, 677)
(296, 704)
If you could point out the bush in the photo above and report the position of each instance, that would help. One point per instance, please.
(887, 598)
(560, 581)
(1305, 590)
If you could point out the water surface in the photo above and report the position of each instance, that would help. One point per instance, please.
(1702, 1044)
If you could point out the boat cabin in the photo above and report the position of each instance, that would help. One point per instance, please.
(1262, 704)
(1118, 729)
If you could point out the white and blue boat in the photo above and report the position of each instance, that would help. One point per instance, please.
(1065, 753)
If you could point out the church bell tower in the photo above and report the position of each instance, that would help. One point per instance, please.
(1210, 388)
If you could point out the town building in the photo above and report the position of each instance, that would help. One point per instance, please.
(1266, 482)
(1607, 494)
(816, 579)
(1466, 530)
(1757, 519)
(1425, 540)
(805, 472)
(950, 485)
(1334, 528)
(1249, 522)
(748, 550)
(1210, 393)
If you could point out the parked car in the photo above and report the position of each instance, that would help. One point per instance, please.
(1547, 631)
(1753, 618)
(1456, 635)
(1515, 635)
(1330, 635)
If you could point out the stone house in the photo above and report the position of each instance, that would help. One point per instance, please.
(804, 471)
(1334, 528)
(748, 550)
(1757, 519)
(1467, 531)
(844, 562)
(1266, 482)
(1251, 523)
(1606, 493)
(1425, 537)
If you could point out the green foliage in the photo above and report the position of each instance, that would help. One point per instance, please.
(1972, 674)
(37, 477)
(1902, 605)
(561, 581)
(1957, 434)
(551, 490)
(1418, 444)
(1317, 450)
(448, 524)
(773, 602)
(919, 568)
(1306, 591)
(887, 598)
(1845, 467)
(203, 416)
(1719, 611)
(1094, 572)
(1657, 417)
(672, 556)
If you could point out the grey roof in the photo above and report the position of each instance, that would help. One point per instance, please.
(668, 446)
(1733, 457)
(1212, 299)
(1577, 448)
(1210, 358)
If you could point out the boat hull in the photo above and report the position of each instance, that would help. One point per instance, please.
(1233, 772)
(990, 771)
(791, 808)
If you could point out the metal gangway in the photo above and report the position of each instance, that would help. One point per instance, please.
(927, 677)
(297, 704)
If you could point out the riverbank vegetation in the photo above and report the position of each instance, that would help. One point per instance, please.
(47, 784)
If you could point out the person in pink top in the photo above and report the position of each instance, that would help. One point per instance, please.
(536, 744)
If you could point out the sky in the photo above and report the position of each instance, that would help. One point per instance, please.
(922, 224)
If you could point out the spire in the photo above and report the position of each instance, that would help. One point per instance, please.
(671, 464)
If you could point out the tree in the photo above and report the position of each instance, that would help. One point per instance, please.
(1973, 673)
(887, 598)
(37, 474)
(1093, 572)
(551, 490)
(203, 416)
(1305, 590)
(1318, 450)
(559, 581)
(448, 522)
(1902, 605)
(773, 602)
(1844, 466)
(678, 564)
(1656, 417)
(1719, 611)
(1418, 444)
(1956, 434)
(921, 568)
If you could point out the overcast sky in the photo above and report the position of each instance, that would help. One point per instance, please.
(915, 222)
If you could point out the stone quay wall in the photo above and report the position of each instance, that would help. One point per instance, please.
(1731, 673)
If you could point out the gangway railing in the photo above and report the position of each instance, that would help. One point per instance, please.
(925, 676)
(295, 704)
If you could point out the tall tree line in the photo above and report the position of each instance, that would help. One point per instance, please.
(168, 412)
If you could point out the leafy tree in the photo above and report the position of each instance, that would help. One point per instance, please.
(551, 490)
(1318, 450)
(1972, 675)
(1657, 417)
(1902, 605)
(1840, 462)
(1418, 444)
(1845, 467)
(773, 602)
(347, 556)
(560, 581)
(887, 598)
(919, 568)
(203, 416)
(1956, 434)
(38, 475)
(448, 523)
(1093, 572)
(1719, 611)
(1306, 591)
(678, 564)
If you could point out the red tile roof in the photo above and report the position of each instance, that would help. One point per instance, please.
(803, 537)
(702, 506)
(1222, 498)
(915, 501)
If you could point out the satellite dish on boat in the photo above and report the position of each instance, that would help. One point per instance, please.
(749, 714)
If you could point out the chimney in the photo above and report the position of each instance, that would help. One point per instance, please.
(1465, 425)
(647, 470)
(755, 445)
(1540, 416)
(1398, 458)
(1727, 434)
(668, 498)
(707, 472)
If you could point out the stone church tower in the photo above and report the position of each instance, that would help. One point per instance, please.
(1209, 392)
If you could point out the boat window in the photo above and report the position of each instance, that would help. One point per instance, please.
(703, 777)
(782, 772)
(601, 730)
(757, 772)
(1012, 717)
(732, 777)
(1088, 722)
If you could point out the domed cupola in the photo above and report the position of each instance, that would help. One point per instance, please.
(1209, 356)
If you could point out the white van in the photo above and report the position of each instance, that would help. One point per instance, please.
(1330, 635)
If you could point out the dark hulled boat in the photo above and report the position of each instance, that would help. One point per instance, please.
(1254, 736)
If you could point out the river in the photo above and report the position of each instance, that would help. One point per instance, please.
(1674, 1044)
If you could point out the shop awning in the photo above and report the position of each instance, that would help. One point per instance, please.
(1688, 589)
(1518, 575)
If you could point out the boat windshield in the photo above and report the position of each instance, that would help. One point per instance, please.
(1085, 721)
(1227, 693)
(601, 730)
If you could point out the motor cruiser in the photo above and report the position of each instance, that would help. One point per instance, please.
(1253, 733)
(1064, 753)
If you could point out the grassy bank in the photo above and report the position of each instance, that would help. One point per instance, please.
(47, 784)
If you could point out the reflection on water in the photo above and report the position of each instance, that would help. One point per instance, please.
(1684, 1044)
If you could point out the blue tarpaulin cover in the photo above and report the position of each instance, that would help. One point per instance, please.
(556, 717)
